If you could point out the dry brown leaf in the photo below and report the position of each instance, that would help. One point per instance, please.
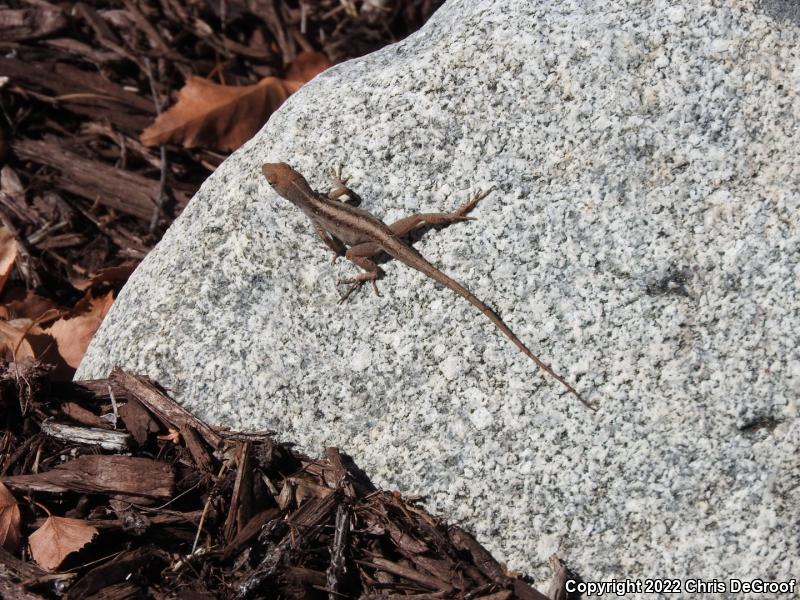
(218, 116)
(8, 254)
(225, 116)
(9, 520)
(109, 276)
(58, 537)
(306, 66)
(13, 343)
(32, 306)
(72, 335)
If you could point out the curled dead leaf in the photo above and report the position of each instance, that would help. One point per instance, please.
(306, 66)
(73, 334)
(113, 276)
(9, 520)
(218, 116)
(57, 538)
(224, 116)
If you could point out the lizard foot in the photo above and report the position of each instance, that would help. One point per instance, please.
(337, 176)
(354, 284)
(349, 291)
(472, 202)
(340, 189)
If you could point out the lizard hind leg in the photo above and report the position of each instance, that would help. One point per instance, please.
(372, 272)
(411, 223)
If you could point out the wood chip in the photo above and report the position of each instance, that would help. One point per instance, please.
(127, 475)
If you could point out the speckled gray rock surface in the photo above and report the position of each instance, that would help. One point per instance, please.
(643, 238)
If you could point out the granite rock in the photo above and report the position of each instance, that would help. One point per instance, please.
(643, 237)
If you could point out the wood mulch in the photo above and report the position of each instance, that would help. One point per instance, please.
(176, 508)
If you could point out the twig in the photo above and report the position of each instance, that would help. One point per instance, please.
(113, 405)
(211, 496)
(341, 540)
(162, 180)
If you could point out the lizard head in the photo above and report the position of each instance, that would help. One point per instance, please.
(285, 180)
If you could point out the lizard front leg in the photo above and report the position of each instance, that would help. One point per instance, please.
(341, 189)
(335, 245)
(372, 272)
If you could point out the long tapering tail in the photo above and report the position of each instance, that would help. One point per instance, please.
(421, 264)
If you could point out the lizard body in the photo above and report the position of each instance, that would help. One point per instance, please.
(360, 236)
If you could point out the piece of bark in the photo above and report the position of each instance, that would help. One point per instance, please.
(83, 416)
(65, 240)
(523, 591)
(299, 490)
(428, 581)
(190, 518)
(81, 92)
(15, 591)
(265, 9)
(121, 190)
(30, 23)
(115, 571)
(341, 543)
(85, 51)
(465, 542)
(240, 508)
(283, 543)
(61, 79)
(313, 511)
(17, 569)
(166, 409)
(433, 596)
(558, 584)
(445, 569)
(138, 421)
(155, 39)
(405, 542)
(92, 390)
(251, 529)
(338, 475)
(196, 449)
(121, 475)
(118, 591)
(96, 22)
(107, 439)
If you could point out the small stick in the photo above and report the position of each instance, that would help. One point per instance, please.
(162, 181)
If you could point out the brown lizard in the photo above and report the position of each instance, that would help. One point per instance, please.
(360, 237)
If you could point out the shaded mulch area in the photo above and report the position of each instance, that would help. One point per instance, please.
(80, 81)
(124, 494)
